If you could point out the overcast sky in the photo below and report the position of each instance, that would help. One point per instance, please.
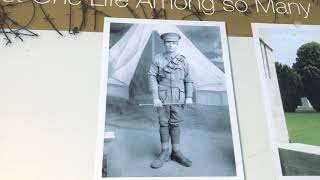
(286, 42)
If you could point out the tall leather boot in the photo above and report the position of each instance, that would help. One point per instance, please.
(176, 153)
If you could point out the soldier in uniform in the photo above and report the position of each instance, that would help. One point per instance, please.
(172, 87)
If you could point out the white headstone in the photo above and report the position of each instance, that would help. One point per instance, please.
(305, 106)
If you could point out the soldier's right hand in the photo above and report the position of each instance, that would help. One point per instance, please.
(157, 103)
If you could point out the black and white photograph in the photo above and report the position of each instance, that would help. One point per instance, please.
(170, 107)
(289, 61)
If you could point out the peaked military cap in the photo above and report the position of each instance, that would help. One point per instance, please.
(170, 36)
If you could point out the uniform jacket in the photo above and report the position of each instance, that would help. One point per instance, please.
(170, 79)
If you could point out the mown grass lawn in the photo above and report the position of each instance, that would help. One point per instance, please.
(304, 128)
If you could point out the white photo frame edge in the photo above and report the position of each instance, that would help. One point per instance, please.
(230, 93)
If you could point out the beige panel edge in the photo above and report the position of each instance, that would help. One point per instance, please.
(49, 107)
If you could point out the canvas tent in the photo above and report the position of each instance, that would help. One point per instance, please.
(125, 55)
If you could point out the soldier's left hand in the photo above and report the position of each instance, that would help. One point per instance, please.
(189, 101)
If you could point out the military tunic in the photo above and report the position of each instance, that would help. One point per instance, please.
(170, 81)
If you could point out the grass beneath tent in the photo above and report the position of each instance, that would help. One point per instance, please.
(304, 128)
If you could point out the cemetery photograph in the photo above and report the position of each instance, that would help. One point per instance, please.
(297, 54)
(289, 63)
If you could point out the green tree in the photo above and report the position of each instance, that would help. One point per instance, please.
(308, 66)
(291, 87)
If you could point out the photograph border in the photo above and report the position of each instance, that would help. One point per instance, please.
(230, 93)
(267, 109)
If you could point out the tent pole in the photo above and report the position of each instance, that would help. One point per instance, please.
(153, 45)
